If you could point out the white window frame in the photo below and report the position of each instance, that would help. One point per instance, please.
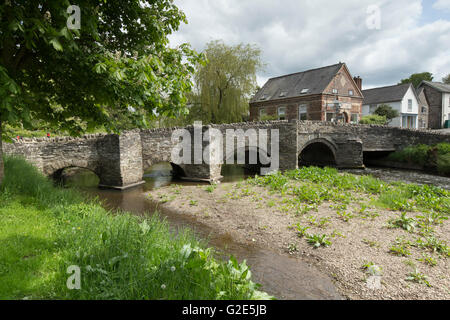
(302, 109)
(279, 113)
(410, 105)
(262, 112)
(351, 92)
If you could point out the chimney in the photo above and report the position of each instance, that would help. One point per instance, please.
(358, 82)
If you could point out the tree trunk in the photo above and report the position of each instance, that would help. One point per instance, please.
(1, 155)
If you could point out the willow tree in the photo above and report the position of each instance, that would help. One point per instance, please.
(225, 83)
(77, 74)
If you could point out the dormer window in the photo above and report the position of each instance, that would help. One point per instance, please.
(264, 97)
(283, 94)
(306, 90)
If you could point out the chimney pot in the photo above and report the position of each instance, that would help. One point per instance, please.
(358, 82)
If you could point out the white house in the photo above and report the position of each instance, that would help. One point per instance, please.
(402, 98)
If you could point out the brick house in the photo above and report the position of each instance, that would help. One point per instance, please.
(438, 97)
(310, 95)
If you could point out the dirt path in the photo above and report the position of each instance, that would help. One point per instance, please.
(250, 214)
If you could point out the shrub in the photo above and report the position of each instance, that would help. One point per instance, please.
(373, 119)
(443, 164)
(415, 154)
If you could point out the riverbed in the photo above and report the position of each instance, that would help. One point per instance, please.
(281, 275)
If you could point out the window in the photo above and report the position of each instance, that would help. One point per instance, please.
(350, 92)
(335, 91)
(410, 105)
(282, 113)
(303, 112)
(424, 109)
(262, 113)
(354, 118)
(373, 108)
(264, 97)
(304, 91)
(283, 94)
(330, 116)
(409, 121)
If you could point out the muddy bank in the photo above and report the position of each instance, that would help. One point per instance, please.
(253, 216)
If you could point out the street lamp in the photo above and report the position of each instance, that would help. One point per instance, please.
(337, 107)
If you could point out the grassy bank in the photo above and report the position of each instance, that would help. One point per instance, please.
(435, 157)
(44, 230)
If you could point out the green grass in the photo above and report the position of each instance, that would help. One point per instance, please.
(45, 229)
(314, 186)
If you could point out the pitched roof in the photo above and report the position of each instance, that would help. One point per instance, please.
(385, 94)
(292, 85)
(421, 99)
(442, 87)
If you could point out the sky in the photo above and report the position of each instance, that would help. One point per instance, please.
(383, 41)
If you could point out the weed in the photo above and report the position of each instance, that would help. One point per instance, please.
(344, 215)
(193, 202)
(301, 230)
(434, 244)
(292, 248)
(271, 203)
(429, 260)
(400, 248)
(210, 188)
(408, 224)
(418, 277)
(372, 268)
(318, 240)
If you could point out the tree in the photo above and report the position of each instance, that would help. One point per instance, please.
(387, 111)
(118, 62)
(446, 79)
(226, 82)
(417, 78)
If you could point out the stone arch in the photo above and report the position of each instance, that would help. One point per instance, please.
(320, 151)
(254, 168)
(177, 170)
(55, 170)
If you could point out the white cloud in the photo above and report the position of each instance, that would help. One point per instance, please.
(297, 35)
(442, 5)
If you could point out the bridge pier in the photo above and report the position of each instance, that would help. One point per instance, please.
(121, 165)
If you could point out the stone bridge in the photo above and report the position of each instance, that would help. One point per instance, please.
(120, 160)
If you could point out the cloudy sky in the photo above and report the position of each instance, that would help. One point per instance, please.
(410, 35)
